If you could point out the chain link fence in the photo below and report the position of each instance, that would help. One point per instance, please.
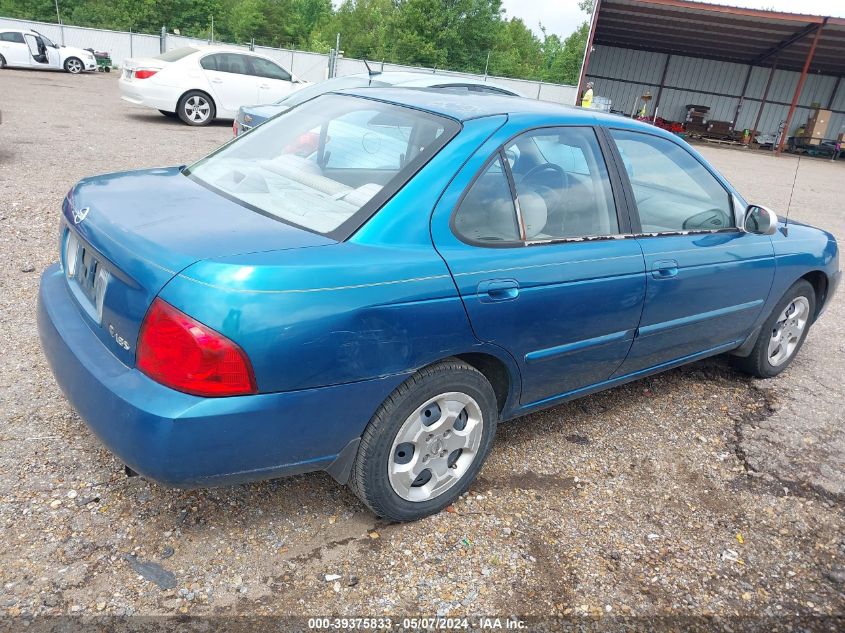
(313, 67)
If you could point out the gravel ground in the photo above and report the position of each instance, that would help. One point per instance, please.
(699, 492)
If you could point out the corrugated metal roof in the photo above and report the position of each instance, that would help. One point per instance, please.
(722, 32)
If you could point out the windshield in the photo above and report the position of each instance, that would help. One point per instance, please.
(326, 168)
(176, 54)
(330, 85)
(46, 40)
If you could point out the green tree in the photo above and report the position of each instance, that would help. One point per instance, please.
(447, 34)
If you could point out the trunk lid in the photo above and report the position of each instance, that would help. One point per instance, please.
(125, 235)
(148, 63)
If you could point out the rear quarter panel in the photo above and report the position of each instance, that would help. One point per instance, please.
(379, 304)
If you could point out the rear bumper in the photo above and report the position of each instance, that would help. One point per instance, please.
(148, 94)
(183, 440)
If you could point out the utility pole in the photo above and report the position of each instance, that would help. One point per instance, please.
(212, 29)
(486, 65)
(59, 20)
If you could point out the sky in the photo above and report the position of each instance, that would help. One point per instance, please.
(563, 16)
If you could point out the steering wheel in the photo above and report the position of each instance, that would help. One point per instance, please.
(553, 196)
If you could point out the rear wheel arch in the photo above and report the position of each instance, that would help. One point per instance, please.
(495, 371)
(204, 94)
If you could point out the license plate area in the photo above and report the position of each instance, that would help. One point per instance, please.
(87, 277)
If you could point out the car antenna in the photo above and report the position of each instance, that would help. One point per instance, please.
(370, 71)
(791, 193)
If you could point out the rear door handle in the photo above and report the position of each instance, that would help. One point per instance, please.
(498, 290)
(265, 86)
(664, 269)
(217, 81)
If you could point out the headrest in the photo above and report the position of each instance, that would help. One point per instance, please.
(534, 213)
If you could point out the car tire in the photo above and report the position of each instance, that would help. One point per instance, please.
(169, 115)
(2, 62)
(404, 480)
(74, 65)
(782, 334)
(196, 108)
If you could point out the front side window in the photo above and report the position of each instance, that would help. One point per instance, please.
(562, 184)
(326, 168)
(673, 191)
(265, 68)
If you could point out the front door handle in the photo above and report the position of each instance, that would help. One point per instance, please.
(664, 269)
(498, 290)
(217, 81)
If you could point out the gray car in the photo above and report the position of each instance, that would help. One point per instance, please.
(250, 116)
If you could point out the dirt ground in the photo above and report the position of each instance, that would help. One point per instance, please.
(699, 492)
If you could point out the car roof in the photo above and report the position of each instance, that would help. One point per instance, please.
(468, 106)
(425, 80)
(463, 106)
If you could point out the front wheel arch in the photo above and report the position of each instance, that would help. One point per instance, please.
(68, 65)
(818, 280)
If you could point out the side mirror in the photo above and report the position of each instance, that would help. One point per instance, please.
(760, 220)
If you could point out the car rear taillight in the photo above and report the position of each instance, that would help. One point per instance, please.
(144, 74)
(183, 354)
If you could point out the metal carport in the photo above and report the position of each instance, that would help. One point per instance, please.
(754, 68)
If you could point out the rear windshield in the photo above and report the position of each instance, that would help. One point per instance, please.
(176, 54)
(326, 167)
(330, 85)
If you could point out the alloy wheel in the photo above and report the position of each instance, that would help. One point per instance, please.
(197, 109)
(435, 446)
(74, 66)
(788, 329)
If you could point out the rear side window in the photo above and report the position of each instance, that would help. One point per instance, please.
(562, 188)
(227, 63)
(17, 38)
(674, 192)
(562, 184)
(265, 68)
(487, 213)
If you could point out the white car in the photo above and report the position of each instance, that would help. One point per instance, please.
(201, 84)
(30, 49)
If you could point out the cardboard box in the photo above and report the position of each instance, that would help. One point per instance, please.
(817, 123)
(841, 138)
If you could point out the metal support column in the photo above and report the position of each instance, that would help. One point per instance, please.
(742, 96)
(756, 127)
(587, 52)
(833, 94)
(800, 86)
(662, 83)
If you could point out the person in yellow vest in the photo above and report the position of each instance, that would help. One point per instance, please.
(587, 97)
